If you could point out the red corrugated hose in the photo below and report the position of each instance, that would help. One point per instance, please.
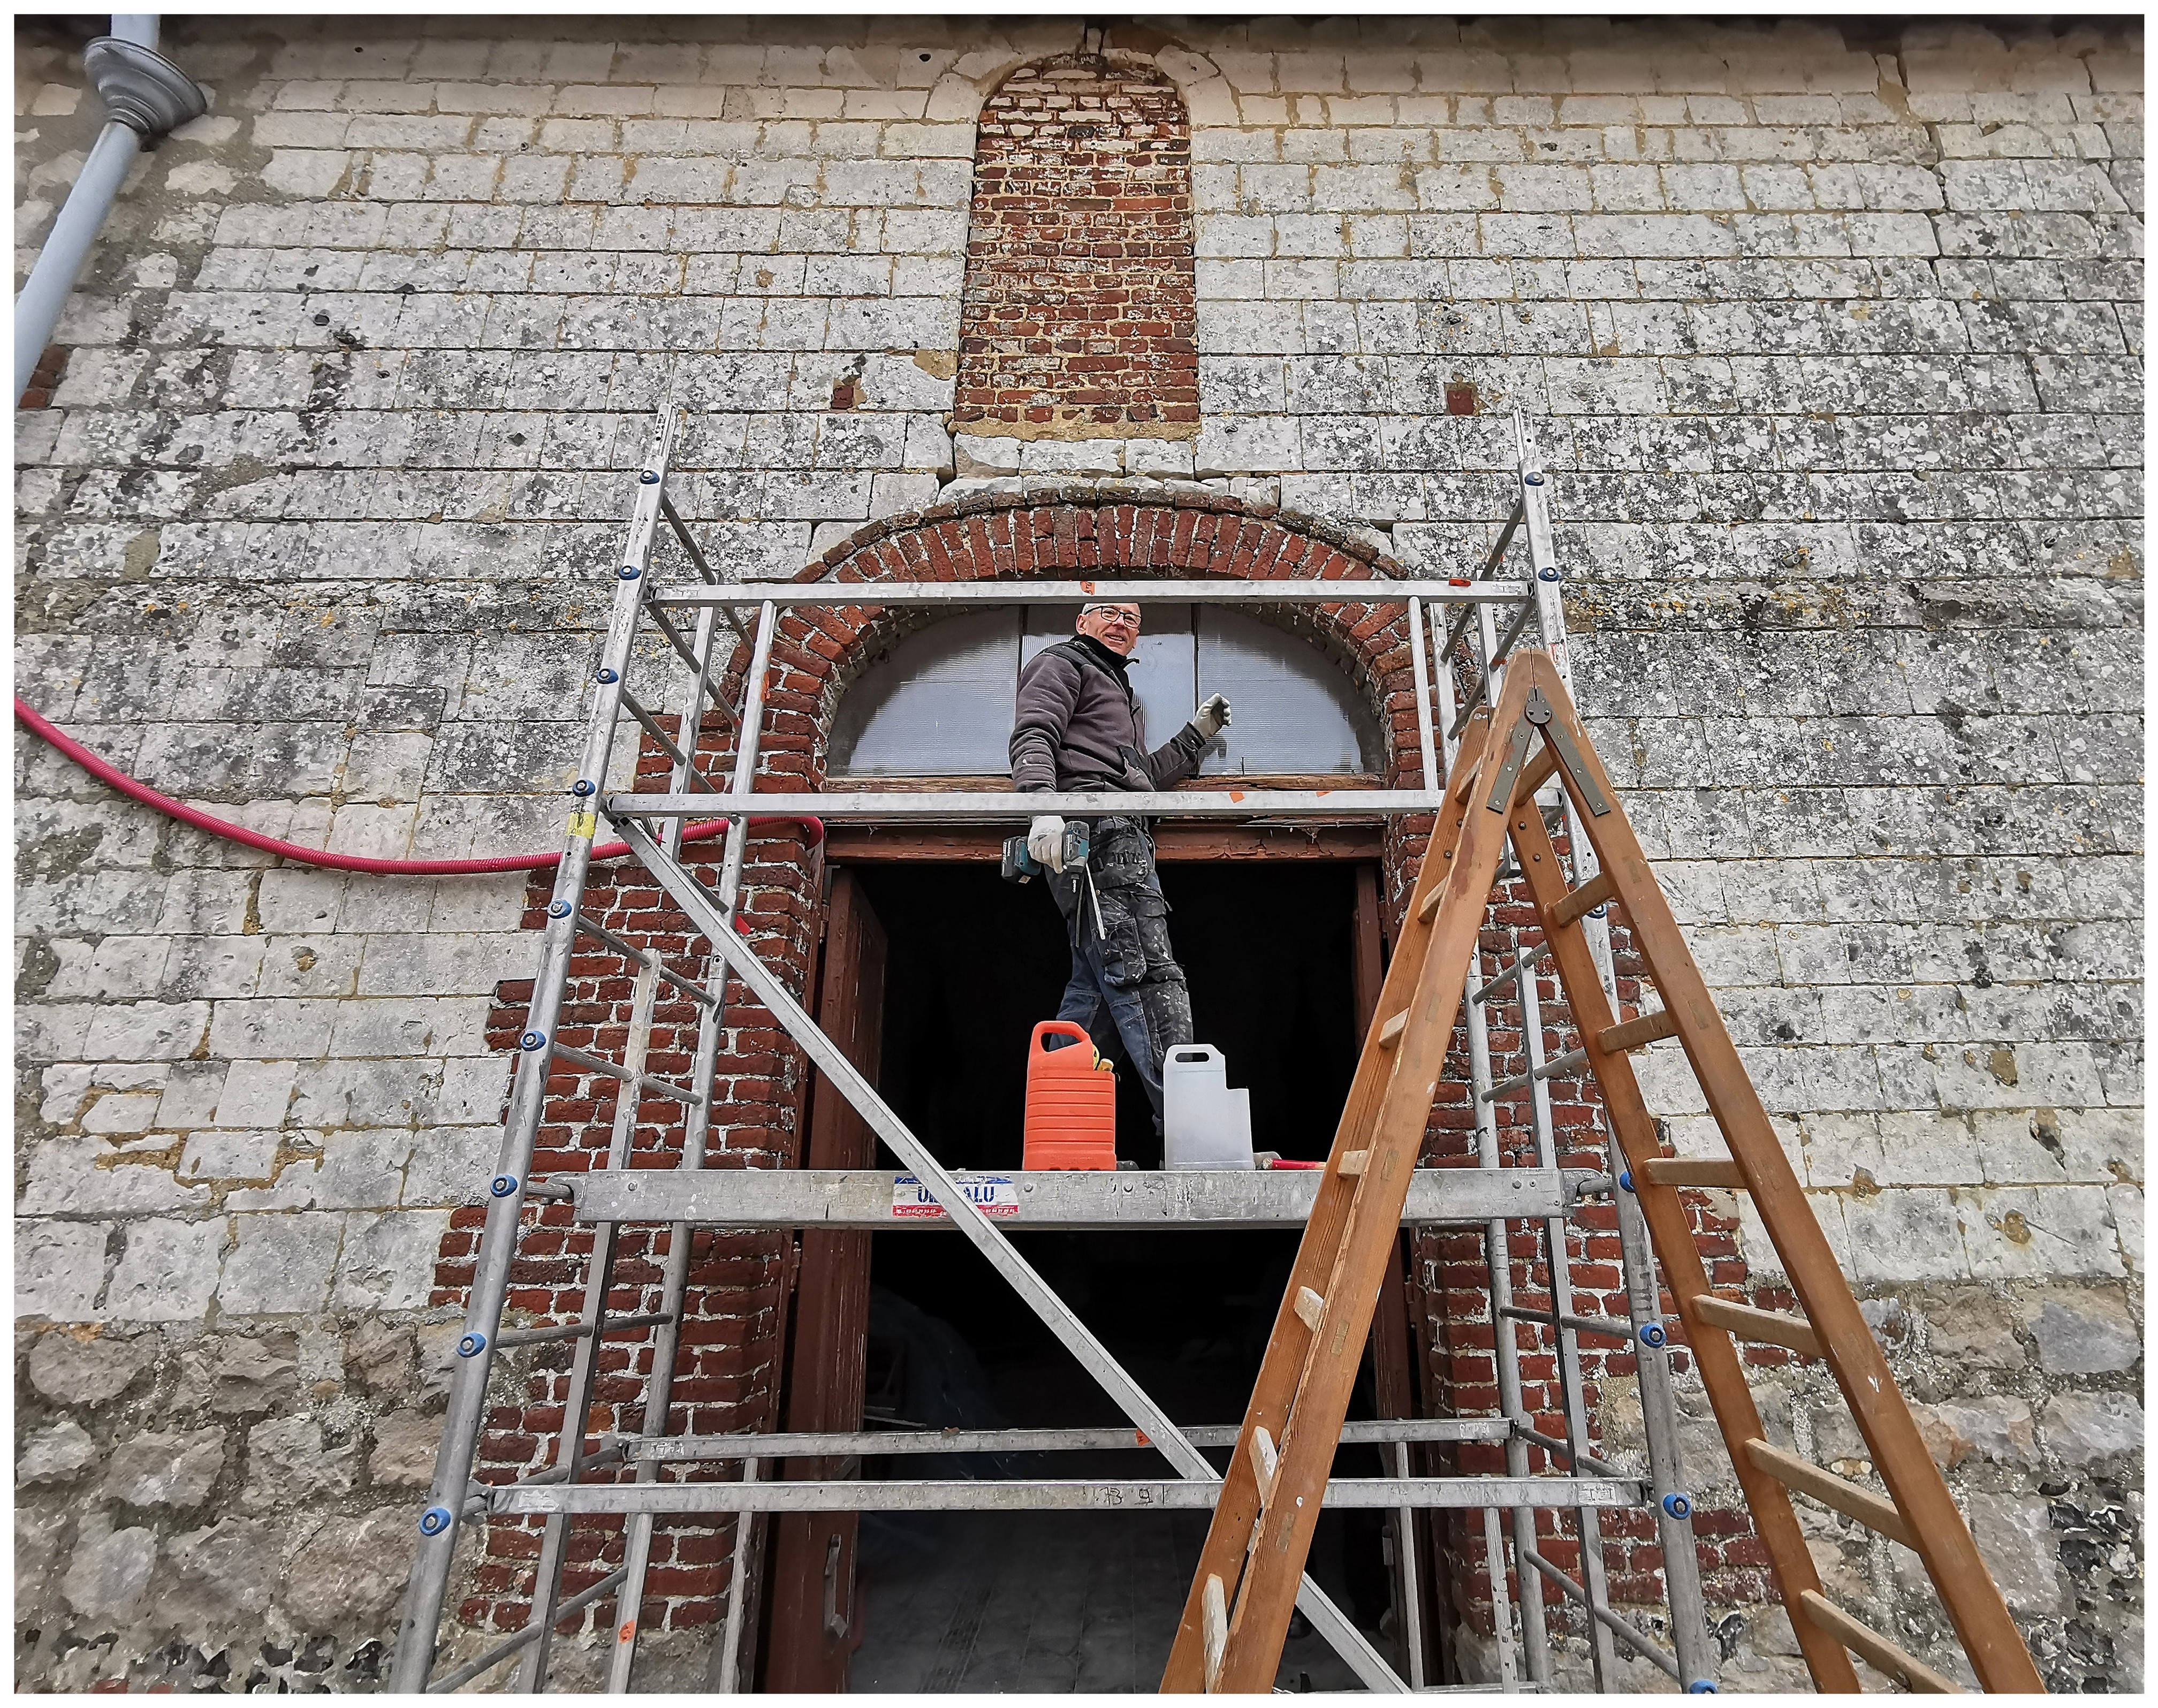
(98, 768)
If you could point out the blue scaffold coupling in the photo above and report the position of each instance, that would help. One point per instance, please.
(1703, 1687)
(473, 1344)
(1652, 1334)
(606, 675)
(650, 478)
(533, 1040)
(1625, 1179)
(559, 909)
(1534, 478)
(501, 1185)
(1548, 574)
(629, 572)
(1600, 911)
(434, 1521)
(584, 786)
(1677, 1505)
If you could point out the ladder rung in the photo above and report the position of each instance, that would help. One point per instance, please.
(1846, 1497)
(1311, 1308)
(1617, 1624)
(577, 1331)
(653, 727)
(1513, 632)
(1512, 972)
(1475, 698)
(1581, 1462)
(1557, 1065)
(1871, 1647)
(629, 951)
(445, 1683)
(688, 657)
(613, 1453)
(1570, 906)
(1429, 904)
(599, 1064)
(1389, 1034)
(1560, 1065)
(1774, 1328)
(1264, 1462)
(1612, 1326)
(1632, 1034)
(1692, 1171)
(1214, 1617)
(1354, 1162)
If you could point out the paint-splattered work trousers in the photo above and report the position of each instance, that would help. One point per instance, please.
(1122, 964)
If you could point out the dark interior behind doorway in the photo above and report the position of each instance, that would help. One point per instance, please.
(973, 964)
(976, 962)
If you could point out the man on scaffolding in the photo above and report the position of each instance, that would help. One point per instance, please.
(1076, 729)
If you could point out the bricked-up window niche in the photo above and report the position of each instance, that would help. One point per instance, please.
(1079, 317)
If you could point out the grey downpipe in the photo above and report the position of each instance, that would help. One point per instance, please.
(145, 95)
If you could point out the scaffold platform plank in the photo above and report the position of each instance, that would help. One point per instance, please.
(1128, 1199)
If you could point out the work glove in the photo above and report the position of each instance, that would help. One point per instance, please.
(1212, 719)
(1044, 841)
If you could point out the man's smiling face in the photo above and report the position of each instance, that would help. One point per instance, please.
(1116, 626)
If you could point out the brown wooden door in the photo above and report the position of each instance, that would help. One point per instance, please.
(815, 1621)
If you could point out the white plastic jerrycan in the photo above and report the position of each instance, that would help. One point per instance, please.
(1205, 1124)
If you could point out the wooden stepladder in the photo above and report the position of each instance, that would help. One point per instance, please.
(1236, 1617)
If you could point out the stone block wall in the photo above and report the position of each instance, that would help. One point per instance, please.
(1831, 342)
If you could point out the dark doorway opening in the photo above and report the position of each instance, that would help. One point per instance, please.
(975, 962)
(1088, 1601)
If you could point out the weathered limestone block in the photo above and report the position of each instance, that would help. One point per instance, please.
(109, 1570)
(2089, 1429)
(2014, 1535)
(404, 1452)
(245, 1373)
(1967, 1326)
(38, 1535)
(2083, 1334)
(290, 1464)
(166, 1469)
(69, 1371)
(351, 1571)
(57, 1454)
(378, 1356)
(1998, 1429)
(233, 1567)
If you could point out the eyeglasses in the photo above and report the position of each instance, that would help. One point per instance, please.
(1116, 613)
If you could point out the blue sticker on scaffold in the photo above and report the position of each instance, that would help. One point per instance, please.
(993, 1195)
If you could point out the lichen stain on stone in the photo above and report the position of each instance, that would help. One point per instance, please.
(60, 853)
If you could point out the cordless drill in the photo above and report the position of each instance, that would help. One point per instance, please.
(1019, 865)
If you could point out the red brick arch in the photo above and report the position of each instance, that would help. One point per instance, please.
(1083, 532)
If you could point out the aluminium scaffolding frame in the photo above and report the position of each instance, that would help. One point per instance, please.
(1456, 667)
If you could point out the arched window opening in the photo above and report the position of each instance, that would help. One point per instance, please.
(940, 702)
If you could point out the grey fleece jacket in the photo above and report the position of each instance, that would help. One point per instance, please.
(1076, 727)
